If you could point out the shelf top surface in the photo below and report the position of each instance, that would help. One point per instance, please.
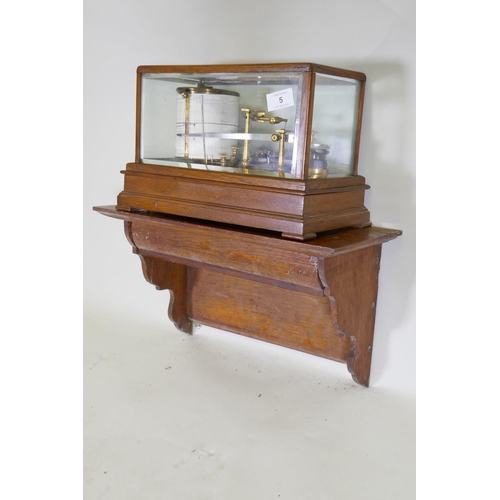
(326, 244)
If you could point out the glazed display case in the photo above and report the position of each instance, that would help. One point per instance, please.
(269, 146)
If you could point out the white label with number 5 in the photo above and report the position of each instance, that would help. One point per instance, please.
(280, 99)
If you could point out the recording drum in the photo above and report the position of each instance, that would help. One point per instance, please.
(203, 112)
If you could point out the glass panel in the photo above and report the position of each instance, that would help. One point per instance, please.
(334, 126)
(227, 122)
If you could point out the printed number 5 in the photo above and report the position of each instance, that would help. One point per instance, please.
(281, 100)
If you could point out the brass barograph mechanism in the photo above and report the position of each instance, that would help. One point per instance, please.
(255, 115)
(233, 161)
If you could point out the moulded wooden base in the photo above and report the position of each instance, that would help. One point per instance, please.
(316, 296)
(297, 209)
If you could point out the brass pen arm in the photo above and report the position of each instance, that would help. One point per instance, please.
(260, 116)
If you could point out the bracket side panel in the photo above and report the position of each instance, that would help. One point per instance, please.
(353, 286)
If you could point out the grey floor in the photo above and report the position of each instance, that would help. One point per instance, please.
(217, 416)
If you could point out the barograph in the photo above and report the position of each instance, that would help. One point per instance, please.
(267, 146)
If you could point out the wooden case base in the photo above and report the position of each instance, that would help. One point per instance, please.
(297, 209)
(317, 297)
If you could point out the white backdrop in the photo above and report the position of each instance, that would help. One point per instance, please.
(372, 36)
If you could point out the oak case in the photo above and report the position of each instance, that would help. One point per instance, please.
(299, 179)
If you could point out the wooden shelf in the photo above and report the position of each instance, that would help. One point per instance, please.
(316, 296)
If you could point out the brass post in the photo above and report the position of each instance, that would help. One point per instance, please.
(186, 124)
(280, 136)
(246, 142)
